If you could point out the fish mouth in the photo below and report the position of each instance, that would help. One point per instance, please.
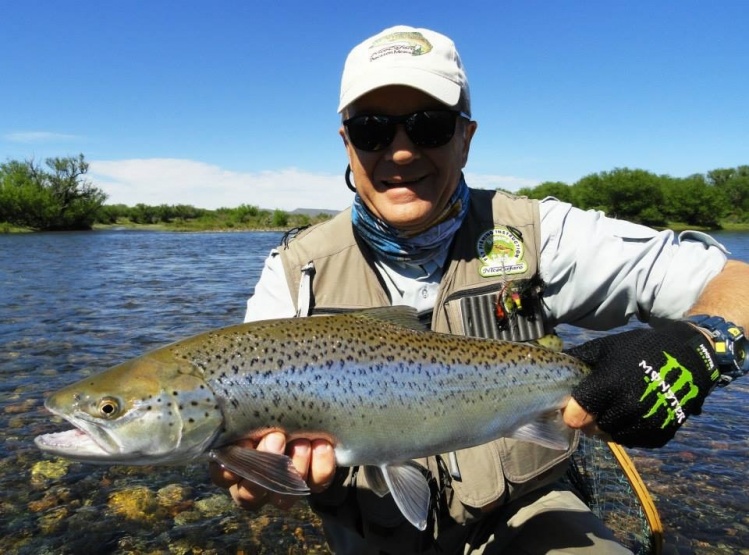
(85, 442)
(72, 444)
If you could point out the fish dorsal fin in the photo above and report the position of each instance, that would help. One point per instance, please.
(400, 315)
(409, 488)
(269, 470)
(549, 431)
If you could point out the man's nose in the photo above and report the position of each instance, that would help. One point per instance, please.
(402, 150)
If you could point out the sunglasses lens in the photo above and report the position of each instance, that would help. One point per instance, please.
(428, 128)
(370, 133)
(431, 128)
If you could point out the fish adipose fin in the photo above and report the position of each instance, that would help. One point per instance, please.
(269, 470)
(548, 431)
(408, 486)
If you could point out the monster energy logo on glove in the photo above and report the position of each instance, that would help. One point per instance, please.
(667, 392)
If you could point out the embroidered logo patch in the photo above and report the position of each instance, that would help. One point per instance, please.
(501, 253)
(400, 42)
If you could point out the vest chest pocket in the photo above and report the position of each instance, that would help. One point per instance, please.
(500, 471)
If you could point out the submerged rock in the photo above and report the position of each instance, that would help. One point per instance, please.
(136, 503)
(46, 470)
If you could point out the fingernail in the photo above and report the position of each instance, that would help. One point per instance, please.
(275, 442)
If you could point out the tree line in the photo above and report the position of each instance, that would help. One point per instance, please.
(704, 200)
(58, 196)
(187, 217)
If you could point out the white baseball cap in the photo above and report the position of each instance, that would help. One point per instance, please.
(402, 55)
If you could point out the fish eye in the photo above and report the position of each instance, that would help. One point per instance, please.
(108, 407)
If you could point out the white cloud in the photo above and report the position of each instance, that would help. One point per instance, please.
(39, 137)
(157, 181)
(506, 182)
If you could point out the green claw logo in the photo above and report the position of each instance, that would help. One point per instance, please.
(667, 391)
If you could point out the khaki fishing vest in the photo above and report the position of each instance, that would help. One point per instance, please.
(499, 243)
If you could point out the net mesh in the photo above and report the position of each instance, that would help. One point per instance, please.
(598, 478)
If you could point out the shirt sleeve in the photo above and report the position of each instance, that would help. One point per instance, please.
(599, 271)
(271, 298)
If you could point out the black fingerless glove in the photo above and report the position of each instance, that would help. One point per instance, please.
(646, 382)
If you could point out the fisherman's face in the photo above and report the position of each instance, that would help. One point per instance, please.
(405, 185)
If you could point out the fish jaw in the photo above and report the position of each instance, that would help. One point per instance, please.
(73, 444)
(148, 411)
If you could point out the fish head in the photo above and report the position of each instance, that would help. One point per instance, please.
(155, 409)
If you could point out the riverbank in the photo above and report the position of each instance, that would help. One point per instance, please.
(193, 226)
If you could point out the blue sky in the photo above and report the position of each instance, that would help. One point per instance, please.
(225, 102)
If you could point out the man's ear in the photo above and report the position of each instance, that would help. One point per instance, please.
(469, 129)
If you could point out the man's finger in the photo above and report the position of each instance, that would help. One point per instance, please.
(322, 469)
(577, 417)
(300, 451)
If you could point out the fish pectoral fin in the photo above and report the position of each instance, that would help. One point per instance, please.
(269, 470)
(410, 491)
(548, 431)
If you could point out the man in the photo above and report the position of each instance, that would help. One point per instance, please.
(488, 264)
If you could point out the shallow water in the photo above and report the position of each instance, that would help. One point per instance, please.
(76, 303)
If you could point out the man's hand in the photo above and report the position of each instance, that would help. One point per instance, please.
(314, 460)
(643, 385)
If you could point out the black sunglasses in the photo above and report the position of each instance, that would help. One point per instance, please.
(425, 128)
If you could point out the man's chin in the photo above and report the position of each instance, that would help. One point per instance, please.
(413, 217)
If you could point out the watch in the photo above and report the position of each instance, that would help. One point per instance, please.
(729, 344)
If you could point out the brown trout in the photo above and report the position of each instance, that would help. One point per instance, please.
(376, 385)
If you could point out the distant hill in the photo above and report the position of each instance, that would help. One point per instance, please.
(314, 212)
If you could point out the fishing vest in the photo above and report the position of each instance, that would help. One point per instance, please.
(490, 288)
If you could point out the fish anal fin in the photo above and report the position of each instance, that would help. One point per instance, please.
(410, 491)
(376, 480)
(548, 431)
(269, 470)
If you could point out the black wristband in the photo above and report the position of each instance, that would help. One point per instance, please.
(729, 345)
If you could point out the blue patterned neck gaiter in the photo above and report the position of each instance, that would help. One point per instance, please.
(393, 244)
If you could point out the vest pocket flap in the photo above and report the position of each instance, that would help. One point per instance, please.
(482, 481)
(523, 460)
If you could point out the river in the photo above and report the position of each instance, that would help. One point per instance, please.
(75, 303)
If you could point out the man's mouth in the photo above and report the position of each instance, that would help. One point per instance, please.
(402, 181)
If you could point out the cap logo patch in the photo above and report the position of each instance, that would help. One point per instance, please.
(401, 42)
